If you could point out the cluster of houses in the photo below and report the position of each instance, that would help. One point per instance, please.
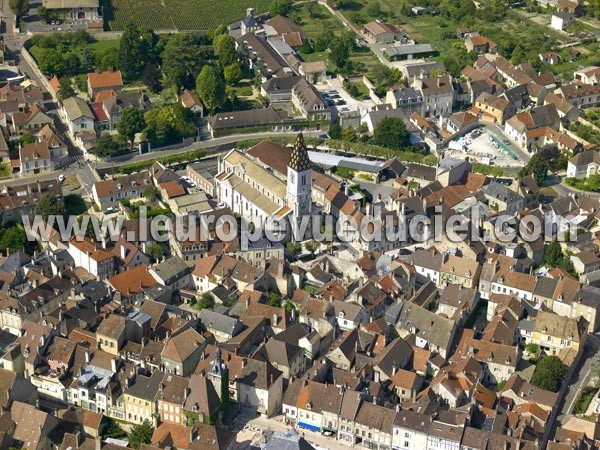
(30, 130)
(370, 345)
(381, 344)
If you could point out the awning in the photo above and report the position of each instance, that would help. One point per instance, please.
(309, 426)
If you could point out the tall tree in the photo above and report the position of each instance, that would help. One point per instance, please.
(210, 87)
(135, 49)
(87, 59)
(232, 73)
(66, 88)
(339, 52)
(168, 124)
(132, 122)
(224, 46)
(151, 77)
(549, 374)
(390, 132)
(49, 205)
(225, 395)
(536, 166)
(140, 434)
(280, 7)
(13, 239)
(19, 8)
(181, 58)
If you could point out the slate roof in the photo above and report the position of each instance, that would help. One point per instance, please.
(219, 322)
(146, 388)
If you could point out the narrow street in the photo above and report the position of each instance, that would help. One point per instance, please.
(579, 380)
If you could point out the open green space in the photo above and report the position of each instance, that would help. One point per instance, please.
(314, 20)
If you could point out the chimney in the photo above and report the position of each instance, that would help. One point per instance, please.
(123, 251)
(113, 364)
(274, 322)
(87, 356)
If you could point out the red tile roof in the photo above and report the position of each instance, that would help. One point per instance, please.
(99, 80)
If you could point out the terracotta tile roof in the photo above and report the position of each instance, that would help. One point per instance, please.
(31, 152)
(189, 98)
(262, 310)
(100, 80)
(98, 111)
(376, 28)
(55, 84)
(86, 245)
(132, 281)
(293, 39)
(182, 345)
(104, 95)
(172, 435)
(172, 189)
(112, 326)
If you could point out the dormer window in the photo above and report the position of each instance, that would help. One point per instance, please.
(308, 406)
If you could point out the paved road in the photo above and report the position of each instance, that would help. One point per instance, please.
(563, 190)
(503, 137)
(580, 378)
(211, 145)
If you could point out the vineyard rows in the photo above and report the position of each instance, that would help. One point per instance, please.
(180, 14)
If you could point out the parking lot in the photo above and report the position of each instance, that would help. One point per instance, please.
(482, 146)
(340, 100)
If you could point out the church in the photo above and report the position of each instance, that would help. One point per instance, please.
(267, 181)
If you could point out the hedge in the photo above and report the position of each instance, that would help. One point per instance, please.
(191, 155)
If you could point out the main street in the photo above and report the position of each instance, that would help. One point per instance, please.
(210, 145)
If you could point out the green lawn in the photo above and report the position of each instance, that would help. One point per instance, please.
(313, 27)
(95, 47)
(4, 170)
(100, 46)
(242, 89)
(323, 20)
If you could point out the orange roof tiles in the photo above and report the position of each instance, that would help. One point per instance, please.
(99, 80)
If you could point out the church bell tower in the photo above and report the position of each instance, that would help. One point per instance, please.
(298, 192)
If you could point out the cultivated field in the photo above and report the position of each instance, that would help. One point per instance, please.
(180, 14)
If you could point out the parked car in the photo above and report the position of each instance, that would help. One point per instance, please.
(111, 210)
